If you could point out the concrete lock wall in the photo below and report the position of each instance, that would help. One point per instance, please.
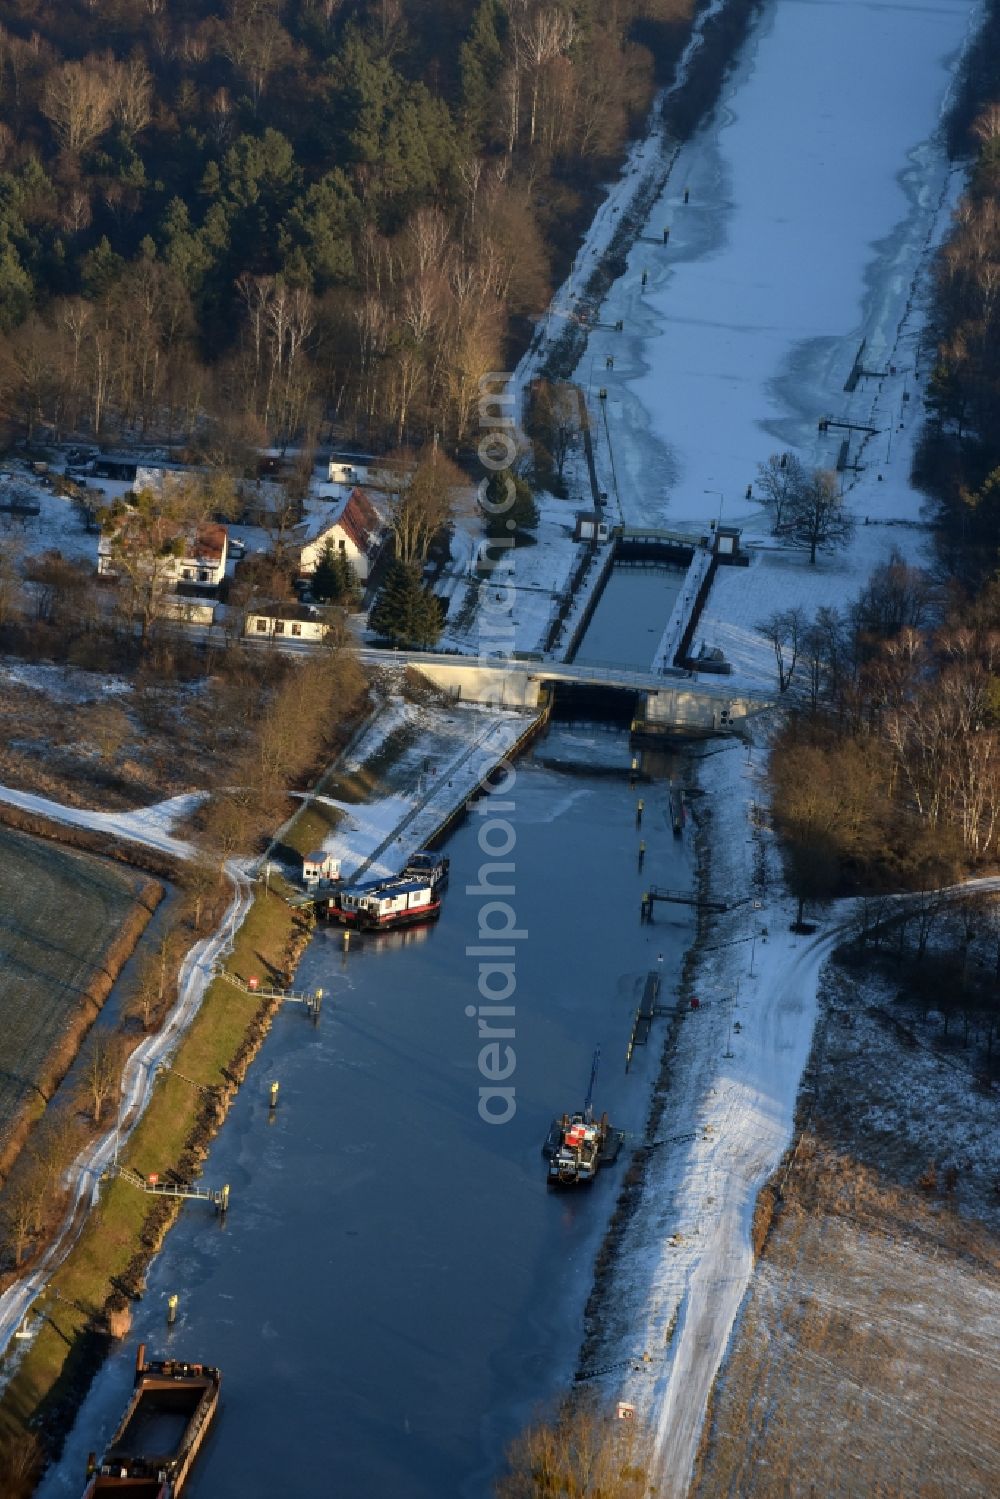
(511, 685)
(503, 686)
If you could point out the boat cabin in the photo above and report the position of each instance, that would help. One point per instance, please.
(429, 866)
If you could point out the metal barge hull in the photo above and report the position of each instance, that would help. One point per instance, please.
(158, 1438)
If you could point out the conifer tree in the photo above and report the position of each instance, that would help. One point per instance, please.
(405, 612)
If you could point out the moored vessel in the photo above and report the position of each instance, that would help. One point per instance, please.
(394, 900)
(158, 1437)
(578, 1145)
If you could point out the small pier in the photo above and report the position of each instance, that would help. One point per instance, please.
(218, 1197)
(313, 1002)
(682, 898)
(649, 1008)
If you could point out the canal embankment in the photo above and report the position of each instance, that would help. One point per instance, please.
(397, 1265)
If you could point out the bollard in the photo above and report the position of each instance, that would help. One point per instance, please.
(347, 938)
(645, 277)
(638, 813)
(172, 1309)
(666, 235)
(274, 1095)
(642, 854)
(687, 195)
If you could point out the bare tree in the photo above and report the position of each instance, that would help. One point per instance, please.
(133, 95)
(815, 518)
(781, 477)
(101, 1073)
(786, 630)
(585, 1451)
(426, 498)
(78, 101)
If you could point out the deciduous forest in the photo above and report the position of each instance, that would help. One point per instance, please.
(230, 222)
(889, 775)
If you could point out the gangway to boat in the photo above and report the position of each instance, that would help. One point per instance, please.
(312, 1002)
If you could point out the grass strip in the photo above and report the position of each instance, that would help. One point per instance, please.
(126, 1229)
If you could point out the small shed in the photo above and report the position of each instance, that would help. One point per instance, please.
(590, 526)
(319, 867)
(727, 541)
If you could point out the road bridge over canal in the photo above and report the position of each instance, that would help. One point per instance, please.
(661, 703)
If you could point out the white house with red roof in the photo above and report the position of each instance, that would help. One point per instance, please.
(351, 524)
(195, 554)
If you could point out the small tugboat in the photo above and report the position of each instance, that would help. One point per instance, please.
(577, 1145)
(151, 1453)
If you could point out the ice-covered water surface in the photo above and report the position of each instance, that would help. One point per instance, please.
(807, 197)
(628, 622)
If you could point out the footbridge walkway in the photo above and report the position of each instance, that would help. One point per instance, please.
(663, 701)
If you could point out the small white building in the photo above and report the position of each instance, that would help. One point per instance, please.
(351, 525)
(286, 622)
(197, 556)
(351, 471)
(320, 868)
(590, 526)
(189, 611)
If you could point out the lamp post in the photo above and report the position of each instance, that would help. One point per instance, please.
(722, 501)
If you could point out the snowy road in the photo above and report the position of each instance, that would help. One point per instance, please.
(149, 826)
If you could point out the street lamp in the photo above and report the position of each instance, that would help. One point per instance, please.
(722, 500)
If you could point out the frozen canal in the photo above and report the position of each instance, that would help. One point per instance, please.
(629, 620)
(811, 197)
(396, 1288)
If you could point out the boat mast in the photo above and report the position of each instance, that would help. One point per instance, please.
(588, 1108)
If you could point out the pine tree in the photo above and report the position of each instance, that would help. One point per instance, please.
(333, 580)
(481, 66)
(405, 612)
(508, 505)
(324, 583)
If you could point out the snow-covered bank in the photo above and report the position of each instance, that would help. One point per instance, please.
(148, 826)
(448, 753)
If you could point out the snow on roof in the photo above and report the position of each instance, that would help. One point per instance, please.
(353, 514)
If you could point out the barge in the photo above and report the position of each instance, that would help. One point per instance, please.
(578, 1145)
(388, 904)
(158, 1437)
(395, 900)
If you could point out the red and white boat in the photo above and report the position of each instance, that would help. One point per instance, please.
(385, 904)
